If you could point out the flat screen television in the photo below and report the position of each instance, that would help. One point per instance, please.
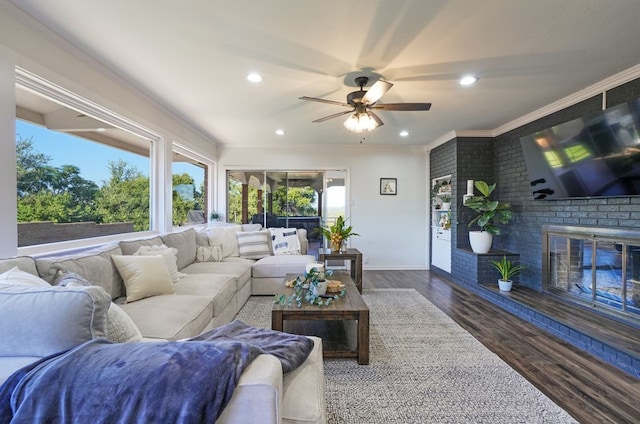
(597, 155)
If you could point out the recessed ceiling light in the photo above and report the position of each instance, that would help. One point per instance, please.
(280, 132)
(253, 77)
(101, 129)
(404, 133)
(468, 80)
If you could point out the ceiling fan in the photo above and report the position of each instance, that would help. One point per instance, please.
(361, 104)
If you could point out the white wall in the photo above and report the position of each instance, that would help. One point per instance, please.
(393, 229)
(8, 206)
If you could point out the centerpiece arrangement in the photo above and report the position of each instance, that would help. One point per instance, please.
(310, 288)
(337, 233)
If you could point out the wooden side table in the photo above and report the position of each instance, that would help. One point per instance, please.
(353, 255)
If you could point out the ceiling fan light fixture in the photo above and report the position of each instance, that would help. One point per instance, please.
(359, 122)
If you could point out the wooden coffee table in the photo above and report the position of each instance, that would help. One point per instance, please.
(351, 307)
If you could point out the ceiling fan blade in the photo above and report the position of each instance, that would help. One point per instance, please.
(376, 91)
(331, 102)
(335, 115)
(402, 106)
(376, 118)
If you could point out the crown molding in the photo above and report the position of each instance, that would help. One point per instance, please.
(457, 134)
(599, 88)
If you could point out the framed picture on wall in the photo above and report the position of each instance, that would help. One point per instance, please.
(388, 186)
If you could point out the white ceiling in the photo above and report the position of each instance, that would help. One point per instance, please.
(193, 57)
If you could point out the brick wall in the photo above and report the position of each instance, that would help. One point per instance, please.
(501, 160)
(32, 233)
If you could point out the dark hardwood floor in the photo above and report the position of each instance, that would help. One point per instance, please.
(591, 390)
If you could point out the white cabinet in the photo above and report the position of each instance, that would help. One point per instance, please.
(441, 223)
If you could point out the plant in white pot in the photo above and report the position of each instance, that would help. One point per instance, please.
(490, 212)
(507, 269)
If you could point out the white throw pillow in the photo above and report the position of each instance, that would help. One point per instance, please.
(169, 254)
(226, 237)
(254, 244)
(209, 253)
(16, 277)
(144, 276)
(285, 241)
(120, 326)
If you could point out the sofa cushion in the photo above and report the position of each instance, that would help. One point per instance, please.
(129, 247)
(284, 241)
(94, 265)
(185, 242)
(144, 276)
(279, 266)
(303, 399)
(170, 317)
(17, 277)
(40, 321)
(254, 244)
(24, 263)
(239, 269)
(169, 255)
(220, 288)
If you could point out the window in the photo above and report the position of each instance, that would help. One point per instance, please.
(190, 200)
(77, 176)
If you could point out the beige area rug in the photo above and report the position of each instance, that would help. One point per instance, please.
(424, 368)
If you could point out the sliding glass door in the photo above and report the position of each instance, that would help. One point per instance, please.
(300, 199)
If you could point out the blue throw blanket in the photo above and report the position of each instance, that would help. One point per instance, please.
(174, 382)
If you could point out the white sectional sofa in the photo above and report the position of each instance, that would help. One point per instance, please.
(199, 296)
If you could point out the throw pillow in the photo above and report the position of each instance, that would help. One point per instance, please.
(254, 244)
(120, 326)
(169, 254)
(16, 277)
(226, 237)
(285, 241)
(209, 253)
(144, 276)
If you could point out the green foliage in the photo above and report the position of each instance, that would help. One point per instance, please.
(338, 229)
(507, 269)
(47, 193)
(183, 202)
(489, 211)
(125, 198)
(296, 201)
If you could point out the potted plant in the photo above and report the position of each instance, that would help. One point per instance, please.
(490, 212)
(214, 216)
(446, 201)
(507, 269)
(337, 233)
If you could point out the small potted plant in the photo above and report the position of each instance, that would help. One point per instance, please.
(490, 212)
(214, 216)
(446, 201)
(507, 269)
(337, 233)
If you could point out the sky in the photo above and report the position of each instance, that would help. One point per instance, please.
(92, 158)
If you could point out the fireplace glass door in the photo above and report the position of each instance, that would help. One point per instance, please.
(597, 270)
